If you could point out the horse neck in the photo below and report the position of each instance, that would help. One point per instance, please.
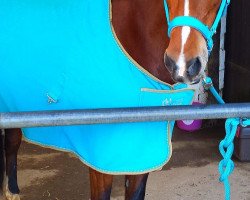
(142, 30)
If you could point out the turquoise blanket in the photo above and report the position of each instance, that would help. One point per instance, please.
(62, 54)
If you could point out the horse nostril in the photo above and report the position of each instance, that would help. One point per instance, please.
(170, 63)
(193, 67)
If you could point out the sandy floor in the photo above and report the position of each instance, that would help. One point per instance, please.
(191, 174)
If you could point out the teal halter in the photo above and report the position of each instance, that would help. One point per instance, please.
(195, 23)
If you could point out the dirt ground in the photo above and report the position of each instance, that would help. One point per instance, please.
(192, 173)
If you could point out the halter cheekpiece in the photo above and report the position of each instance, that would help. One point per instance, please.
(195, 23)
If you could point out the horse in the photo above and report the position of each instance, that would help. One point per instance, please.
(141, 29)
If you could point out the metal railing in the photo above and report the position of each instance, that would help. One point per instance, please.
(122, 115)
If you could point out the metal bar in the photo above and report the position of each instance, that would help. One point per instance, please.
(122, 115)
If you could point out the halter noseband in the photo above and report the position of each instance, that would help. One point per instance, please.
(195, 23)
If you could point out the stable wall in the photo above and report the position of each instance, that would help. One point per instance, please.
(237, 76)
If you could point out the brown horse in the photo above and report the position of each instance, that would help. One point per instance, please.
(141, 28)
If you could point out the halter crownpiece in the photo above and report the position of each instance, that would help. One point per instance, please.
(195, 23)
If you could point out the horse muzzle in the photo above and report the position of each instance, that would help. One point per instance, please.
(185, 72)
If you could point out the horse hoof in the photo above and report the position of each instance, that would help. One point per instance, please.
(10, 196)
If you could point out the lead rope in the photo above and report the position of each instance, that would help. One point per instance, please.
(226, 146)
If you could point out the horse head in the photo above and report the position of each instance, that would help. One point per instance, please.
(191, 25)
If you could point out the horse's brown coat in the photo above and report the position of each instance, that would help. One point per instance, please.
(142, 29)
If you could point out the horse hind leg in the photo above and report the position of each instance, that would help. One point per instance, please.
(100, 185)
(135, 186)
(12, 143)
(2, 163)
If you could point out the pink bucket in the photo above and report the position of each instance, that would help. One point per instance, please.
(190, 125)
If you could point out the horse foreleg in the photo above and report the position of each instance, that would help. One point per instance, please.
(135, 186)
(12, 143)
(100, 185)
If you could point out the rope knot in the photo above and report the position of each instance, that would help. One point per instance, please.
(226, 168)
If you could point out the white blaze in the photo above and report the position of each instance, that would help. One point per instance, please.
(184, 36)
